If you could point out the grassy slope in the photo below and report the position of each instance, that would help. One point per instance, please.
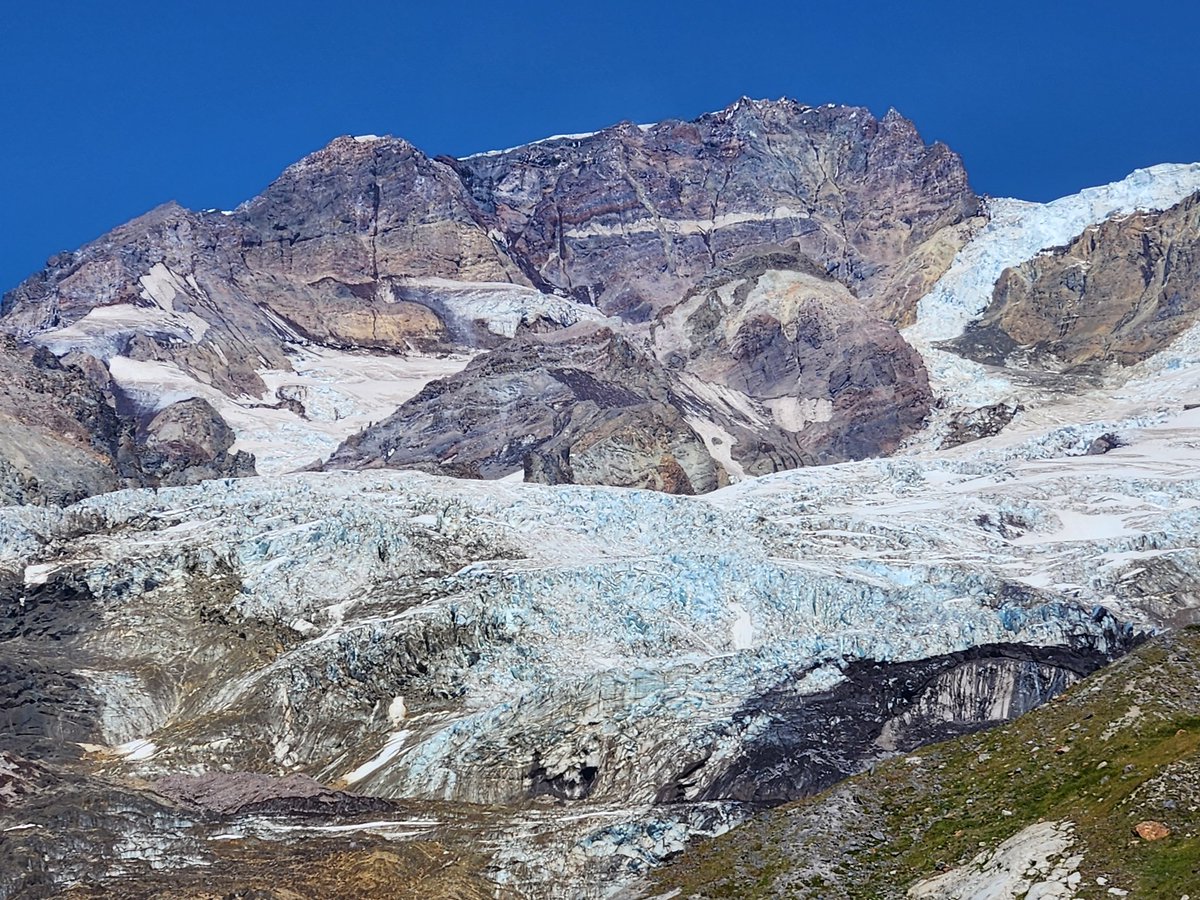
(876, 834)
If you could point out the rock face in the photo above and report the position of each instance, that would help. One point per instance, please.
(188, 442)
(1003, 814)
(581, 406)
(62, 439)
(786, 368)
(369, 244)
(974, 424)
(630, 217)
(768, 364)
(1118, 293)
(812, 742)
(1034, 861)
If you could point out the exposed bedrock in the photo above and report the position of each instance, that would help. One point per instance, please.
(769, 364)
(583, 406)
(188, 442)
(370, 245)
(1117, 294)
(628, 218)
(62, 437)
(807, 743)
(779, 360)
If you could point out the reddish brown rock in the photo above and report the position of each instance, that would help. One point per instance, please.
(1118, 293)
(1151, 830)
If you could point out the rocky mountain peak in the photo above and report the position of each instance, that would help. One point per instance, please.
(369, 244)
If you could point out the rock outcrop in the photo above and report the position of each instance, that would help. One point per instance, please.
(188, 442)
(786, 368)
(60, 439)
(1118, 293)
(581, 406)
(627, 219)
(1095, 794)
(63, 439)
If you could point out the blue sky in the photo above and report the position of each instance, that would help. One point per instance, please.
(111, 108)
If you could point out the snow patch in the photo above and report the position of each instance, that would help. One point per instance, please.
(39, 574)
(793, 413)
(719, 444)
(106, 330)
(342, 393)
(546, 140)
(391, 747)
(684, 226)
(502, 307)
(397, 711)
(741, 634)
(135, 751)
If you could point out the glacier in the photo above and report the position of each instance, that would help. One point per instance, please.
(589, 662)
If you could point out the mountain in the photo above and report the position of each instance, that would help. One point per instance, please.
(657, 234)
(385, 598)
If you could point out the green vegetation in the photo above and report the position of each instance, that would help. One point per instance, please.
(1120, 747)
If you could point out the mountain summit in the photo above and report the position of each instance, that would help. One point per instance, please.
(753, 264)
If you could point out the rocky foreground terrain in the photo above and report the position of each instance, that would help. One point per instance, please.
(1095, 795)
(506, 526)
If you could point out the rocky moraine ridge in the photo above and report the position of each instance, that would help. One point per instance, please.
(918, 462)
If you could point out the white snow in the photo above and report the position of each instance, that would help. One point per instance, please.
(342, 393)
(136, 751)
(793, 413)
(502, 307)
(684, 226)
(556, 137)
(741, 634)
(105, 330)
(392, 746)
(397, 711)
(39, 574)
(719, 443)
(1018, 230)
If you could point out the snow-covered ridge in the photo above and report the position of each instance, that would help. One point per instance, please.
(583, 135)
(1019, 229)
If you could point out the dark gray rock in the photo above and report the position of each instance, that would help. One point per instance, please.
(976, 424)
(815, 741)
(189, 442)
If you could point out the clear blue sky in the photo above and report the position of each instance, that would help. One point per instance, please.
(109, 108)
